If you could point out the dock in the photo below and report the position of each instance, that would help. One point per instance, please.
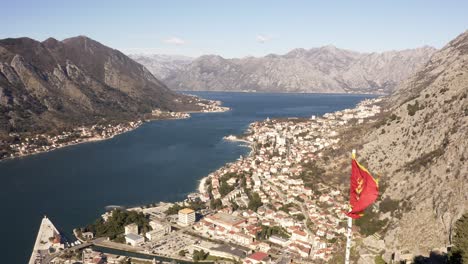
(48, 241)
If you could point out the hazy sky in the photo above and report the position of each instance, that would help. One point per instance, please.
(238, 28)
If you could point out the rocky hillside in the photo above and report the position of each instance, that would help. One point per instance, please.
(420, 149)
(78, 81)
(161, 66)
(319, 70)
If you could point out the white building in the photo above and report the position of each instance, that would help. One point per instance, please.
(278, 240)
(300, 235)
(131, 229)
(134, 239)
(159, 230)
(154, 235)
(186, 216)
(156, 225)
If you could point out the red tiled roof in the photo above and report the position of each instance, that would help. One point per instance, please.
(301, 233)
(258, 256)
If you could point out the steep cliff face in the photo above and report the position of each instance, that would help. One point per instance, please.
(51, 84)
(421, 151)
(323, 70)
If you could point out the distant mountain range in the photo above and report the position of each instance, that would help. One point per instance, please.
(77, 81)
(319, 70)
(162, 66)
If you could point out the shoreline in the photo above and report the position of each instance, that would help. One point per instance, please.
(98, 139)
(71, 144)
(225, 109)
(278, 92)
(201, 189)
(202, 182)
(233, 138)
(90, 140)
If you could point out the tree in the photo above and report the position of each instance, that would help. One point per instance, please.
(369, 223)
(285, 207)
(199, 255)
(216, 203)
(459, 252)
(255, 202)
(268, 231)
(379, 260)
(243, 181)
(197, 205)
(114, 226)
(300, 217)
(388, 205)
(173, 209)
(225, 188)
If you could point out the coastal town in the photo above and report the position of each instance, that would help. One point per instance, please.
(262, 208)
(22, 145)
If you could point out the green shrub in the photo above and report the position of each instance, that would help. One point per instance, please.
(369, 223)
(389, 205)
(300, 217)
(425, 159)
(200, 255)
(379, 260)
(459, 252)
(268, 231)
(412, 109)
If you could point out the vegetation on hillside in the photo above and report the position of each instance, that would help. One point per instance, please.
(255, 202)
(413, 108)
(268, 231)
(379, 260)
(369, 223)
(216, 203)
(312, 172)
(115, 224)
(459, 252)
(175, 208)
(389, 205)
(199, 255)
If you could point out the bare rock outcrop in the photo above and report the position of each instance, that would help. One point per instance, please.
(421, 151)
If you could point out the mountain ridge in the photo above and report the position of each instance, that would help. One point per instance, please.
(55, 84)
(324, 69)
(419, 147)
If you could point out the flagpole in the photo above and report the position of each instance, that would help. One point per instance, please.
(348, 240)
(349, 233)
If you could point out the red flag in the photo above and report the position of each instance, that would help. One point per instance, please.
(363, 191)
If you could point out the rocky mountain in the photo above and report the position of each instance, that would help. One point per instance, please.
(161, 66)
(77, 81)
(319, 70)
(419, 148)
(423, 156)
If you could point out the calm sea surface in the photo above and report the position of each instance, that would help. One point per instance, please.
(160, 161)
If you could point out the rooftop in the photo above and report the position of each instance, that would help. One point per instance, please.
(186, 211)
(226, 218)
(231, 250)
(133, 236)
(258, 256)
